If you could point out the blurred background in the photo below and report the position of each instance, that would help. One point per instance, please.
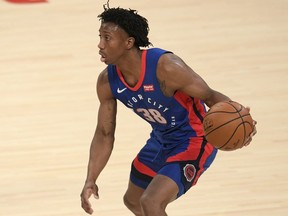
(49, 65)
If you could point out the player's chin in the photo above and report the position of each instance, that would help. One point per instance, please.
(106, 61)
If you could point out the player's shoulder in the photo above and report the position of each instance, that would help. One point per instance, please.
(170, 62)
(103, 77)
(156, 51)
(103, 86)
(172, 70)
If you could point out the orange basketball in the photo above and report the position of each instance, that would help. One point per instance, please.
(227, 125)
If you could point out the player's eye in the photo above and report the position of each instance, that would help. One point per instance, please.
(105, 37)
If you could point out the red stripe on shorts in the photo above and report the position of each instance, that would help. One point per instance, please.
(143, 168)
(207, 152)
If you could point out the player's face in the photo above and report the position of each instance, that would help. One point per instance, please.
(112, 44)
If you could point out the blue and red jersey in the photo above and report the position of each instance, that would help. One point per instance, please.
(173, 119)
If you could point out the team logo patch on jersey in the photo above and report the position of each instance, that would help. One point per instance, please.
(189, 172)
(148, 88)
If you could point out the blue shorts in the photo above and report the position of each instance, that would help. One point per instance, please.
(184, 163)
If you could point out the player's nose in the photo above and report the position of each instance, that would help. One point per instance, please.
(101, 44)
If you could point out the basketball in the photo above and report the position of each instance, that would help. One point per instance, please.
(227, 125)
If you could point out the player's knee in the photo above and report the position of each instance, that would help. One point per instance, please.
(127, 202)
(146, 202)
(149, 204)
(132, 205)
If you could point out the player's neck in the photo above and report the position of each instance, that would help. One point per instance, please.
(130, 66)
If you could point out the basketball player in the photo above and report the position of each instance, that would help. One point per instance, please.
(159, 87)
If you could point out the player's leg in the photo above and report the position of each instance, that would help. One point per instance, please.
(181, 171)
(161, 191)
(143, 169)
(132, 198)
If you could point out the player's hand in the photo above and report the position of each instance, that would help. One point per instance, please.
(89, 189)
(249, 139)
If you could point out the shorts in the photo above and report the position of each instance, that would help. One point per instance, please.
(184, 163)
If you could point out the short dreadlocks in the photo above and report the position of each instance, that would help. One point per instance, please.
(130, 21)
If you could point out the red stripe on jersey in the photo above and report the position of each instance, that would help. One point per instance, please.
(143, 168)
(142, 73)
(190, 105)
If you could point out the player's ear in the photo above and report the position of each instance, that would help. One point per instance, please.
(130, 42)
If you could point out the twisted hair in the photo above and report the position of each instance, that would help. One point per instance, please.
(130, 21)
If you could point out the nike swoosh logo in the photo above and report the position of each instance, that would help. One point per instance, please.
(119, 91)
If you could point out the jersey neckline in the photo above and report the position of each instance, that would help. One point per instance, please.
(142, 73)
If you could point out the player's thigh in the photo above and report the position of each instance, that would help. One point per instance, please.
(162, 190)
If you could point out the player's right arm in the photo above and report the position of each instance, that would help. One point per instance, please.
(103, 140)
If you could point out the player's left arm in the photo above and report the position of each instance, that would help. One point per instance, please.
(175, 75)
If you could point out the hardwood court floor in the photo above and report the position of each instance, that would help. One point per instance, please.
(48, 106)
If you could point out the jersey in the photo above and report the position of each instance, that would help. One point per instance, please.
(173, 119)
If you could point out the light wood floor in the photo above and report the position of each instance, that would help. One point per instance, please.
(48, 105)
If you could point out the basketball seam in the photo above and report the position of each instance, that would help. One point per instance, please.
(241, 123)
(230, 137)
(225, 124)
(229, 103)
(238, 110)
(219, 112)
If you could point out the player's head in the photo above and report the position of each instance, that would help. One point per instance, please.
(130, 21)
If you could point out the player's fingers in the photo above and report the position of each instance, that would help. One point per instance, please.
(248, 108)
(250, 137)
(86, 194)
(85, 204)
(253, 132)
(254, 129)
(95, 191)
(87, 207)
(248, 141)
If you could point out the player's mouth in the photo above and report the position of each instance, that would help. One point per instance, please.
(103, 57)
